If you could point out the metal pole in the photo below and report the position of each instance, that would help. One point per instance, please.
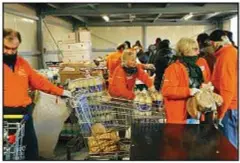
(40, 41)
(144, 36)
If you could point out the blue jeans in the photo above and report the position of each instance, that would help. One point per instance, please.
(230, 126)
(192, 121)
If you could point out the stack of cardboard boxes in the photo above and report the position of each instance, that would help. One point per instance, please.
(76, 46)
(76, 50)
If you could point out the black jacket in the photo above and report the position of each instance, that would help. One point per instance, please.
(161, 62)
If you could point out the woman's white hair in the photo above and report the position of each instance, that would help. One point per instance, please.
(186, 46)
(127, 55)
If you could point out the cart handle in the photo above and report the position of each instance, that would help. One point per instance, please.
(15, 116)
(12, 116)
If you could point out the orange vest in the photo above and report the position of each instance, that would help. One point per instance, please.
(224, 78)
(122, 86)
(176, 91)
(16, 84)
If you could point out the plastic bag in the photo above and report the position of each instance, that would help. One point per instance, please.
(49, 115)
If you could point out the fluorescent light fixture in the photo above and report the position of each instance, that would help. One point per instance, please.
(28, 20)
(186, 17)
(106, 18)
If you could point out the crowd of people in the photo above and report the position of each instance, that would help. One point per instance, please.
(179, 74)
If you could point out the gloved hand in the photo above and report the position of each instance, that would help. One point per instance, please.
(149, 67)
(152, 89)
(193, 91)
(67, 93)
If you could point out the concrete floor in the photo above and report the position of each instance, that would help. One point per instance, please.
(61, 152)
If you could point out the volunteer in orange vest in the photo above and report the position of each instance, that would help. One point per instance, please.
(182, 79)
(114, 59)
(18, 77)
(224, 79)
(123, 80)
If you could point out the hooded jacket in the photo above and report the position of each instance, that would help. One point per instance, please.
(224, 78)
(176, 91)
(121, 85)
(17, 83)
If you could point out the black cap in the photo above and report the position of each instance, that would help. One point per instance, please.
(217, 35)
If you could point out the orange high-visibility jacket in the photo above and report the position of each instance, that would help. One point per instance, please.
(16, 84)
(113, 60)
(224, 78)
(176, 91)
(120, 85)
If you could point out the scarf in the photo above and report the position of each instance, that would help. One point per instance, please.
(194, 71)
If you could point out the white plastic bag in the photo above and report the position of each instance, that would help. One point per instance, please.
(49, 115)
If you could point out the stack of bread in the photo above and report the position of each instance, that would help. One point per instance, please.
(102, 140)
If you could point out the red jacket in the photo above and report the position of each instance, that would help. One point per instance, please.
(16, 84)
(224, 78)
(122, 86)
(176, 91)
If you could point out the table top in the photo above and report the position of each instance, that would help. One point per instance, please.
(179, 142)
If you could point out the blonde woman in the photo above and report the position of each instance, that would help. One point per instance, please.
(124, 77)
(183, 79)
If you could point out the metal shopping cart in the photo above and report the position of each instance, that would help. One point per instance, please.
(115, 114)
(13, 148)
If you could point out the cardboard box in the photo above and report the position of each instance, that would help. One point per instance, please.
(76, 55)
(64, 76)
(76, 73)
(76, 46)
(74, 58)
(67, 42)
(70, 36)
(84, 36)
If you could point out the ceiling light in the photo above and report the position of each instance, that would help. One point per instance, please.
(28, 20)
(106, 18)
(186, 17)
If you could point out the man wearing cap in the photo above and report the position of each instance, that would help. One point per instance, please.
(224, 79)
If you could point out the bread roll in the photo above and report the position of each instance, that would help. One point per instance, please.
(192, 107)
(218, 99)
(98, 129)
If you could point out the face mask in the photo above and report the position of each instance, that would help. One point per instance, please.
(9, 59)
(130, 70)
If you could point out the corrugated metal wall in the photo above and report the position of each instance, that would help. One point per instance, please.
(22, 19)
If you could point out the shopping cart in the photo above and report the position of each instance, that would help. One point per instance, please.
(13, 148)
(115, 114)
